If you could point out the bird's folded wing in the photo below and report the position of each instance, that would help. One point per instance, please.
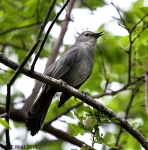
(58, 69)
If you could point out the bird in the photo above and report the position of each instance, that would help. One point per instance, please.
(73, 68)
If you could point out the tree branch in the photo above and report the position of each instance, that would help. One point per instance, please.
(19, 28)
(126, 27)
(125, 87)
(3, 146)
(104, 69)
(7, 116)
(46, 19)
(13, 45)
(88, 100)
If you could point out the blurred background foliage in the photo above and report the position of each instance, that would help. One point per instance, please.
(20, 22)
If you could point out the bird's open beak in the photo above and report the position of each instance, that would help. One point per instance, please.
(98, 34)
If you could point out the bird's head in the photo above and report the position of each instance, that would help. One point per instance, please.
(88, 36)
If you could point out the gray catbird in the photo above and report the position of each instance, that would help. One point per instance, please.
(74, 68)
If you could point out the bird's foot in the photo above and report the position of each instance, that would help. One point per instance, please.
(62, 82)
(85, 93)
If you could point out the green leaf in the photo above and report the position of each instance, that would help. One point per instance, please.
(94, 122)
(112, 145)
(139, 13)
(113, 119)
(74, 129)
(102, 141)
(4, 123)
(144, 9)
(88, 109)
(119, 68)
(125, 40)
(98, 137)
(97, 134)
(84, 147)
(81, 118)
(87, 128)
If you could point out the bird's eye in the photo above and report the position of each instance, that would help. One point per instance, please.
(86, 34)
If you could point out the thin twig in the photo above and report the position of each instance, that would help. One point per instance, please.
(129, 58)
(125, 87)
(46, 19)
(136, 24)
(104, 69)
(23, 63)
(3, 146)
(134, 92)
(126, 27)
(19, 28)
(7, 116)
(3, 115)
(139, 33)
(103, 64)
(94, 135)
(46, 35)
(131, 41)
(37, 11)
(146, 92)
(130, 38)
(13, 45)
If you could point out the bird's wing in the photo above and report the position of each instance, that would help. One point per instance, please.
(58, 69)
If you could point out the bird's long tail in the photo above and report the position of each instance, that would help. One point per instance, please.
(37, 113)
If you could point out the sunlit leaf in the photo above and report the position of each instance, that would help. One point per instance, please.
(4, 123)
(74, 129)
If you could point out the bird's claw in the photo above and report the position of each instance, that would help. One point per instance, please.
(85, 93)
(62, 82)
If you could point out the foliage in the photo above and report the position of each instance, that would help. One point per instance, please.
(119, 61)
(97, 119)
(4, 123)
